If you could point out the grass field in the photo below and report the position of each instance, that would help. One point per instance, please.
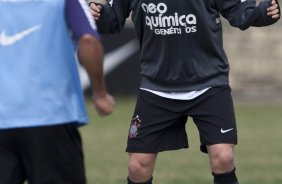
(258, 155)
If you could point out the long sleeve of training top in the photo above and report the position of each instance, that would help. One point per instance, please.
(113, 16)
(245, 13)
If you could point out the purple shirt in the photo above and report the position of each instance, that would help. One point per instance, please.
(79, 19)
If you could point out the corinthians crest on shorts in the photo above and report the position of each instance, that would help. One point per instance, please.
(135, 124)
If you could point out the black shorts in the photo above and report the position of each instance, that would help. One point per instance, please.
(41, 155)
(159, 124)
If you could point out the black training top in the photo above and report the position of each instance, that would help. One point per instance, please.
(181, 40)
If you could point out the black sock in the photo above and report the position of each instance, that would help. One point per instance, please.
(225, 178)
(147, 182)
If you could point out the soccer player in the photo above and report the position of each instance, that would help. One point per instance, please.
(184, 73)
(41, 101)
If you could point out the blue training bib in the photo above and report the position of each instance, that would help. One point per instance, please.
(39, 81)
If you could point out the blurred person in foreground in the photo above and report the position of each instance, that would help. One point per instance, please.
(184, 73)
(41, 101)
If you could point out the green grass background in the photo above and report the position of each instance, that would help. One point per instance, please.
(258, 154)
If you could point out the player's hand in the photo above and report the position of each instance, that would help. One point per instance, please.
(104, 104)
(273, 10)
(95, 10)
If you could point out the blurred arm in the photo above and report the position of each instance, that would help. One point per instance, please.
(90, 52)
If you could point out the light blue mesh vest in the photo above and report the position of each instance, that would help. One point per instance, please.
(39, 81)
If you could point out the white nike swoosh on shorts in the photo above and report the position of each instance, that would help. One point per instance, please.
(225, 131)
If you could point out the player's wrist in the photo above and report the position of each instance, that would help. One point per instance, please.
(99, 93)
